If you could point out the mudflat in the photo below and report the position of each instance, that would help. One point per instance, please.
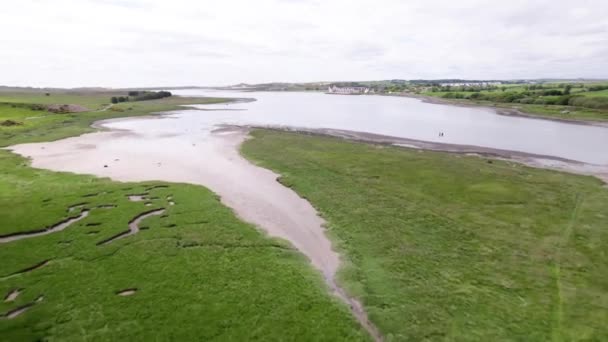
(254, 193)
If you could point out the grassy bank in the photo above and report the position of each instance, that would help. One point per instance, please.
(196, 271)
(570, 113)
(444, 246)
(40, 125)
(584, 102)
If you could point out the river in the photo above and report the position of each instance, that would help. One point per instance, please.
(391, 116)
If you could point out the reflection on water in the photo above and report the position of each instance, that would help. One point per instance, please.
(393, 116)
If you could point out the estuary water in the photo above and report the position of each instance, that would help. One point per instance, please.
(392, 116)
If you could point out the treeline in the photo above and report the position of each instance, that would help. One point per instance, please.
(547, 97)
(466, 88)
(136, 95)
(597, 87)
(449, 80)
(589, 102)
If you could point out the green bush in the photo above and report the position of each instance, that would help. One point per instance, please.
(527, 100)
(540, 101)
(589, 102)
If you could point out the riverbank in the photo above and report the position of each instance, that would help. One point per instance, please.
(449, 246)
(529, 159)
(508, 110)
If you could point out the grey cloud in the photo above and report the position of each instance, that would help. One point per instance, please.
(299, 40)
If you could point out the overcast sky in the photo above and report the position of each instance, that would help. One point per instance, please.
(121, 43)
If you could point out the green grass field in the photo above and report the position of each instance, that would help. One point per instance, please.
(450, 247)
(91, 100)
(557, 112)
(601, 93)
(199, 272)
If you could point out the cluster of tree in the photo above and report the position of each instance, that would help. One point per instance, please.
(566, 86)
(597, 87)
(395, 88)
(348, 84)
(447, 80)
(574, 85)
(136, 95)
(149, 95)
(589, 102)
(466, 88)
(117, 99)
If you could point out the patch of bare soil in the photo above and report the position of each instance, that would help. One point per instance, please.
(12, 295)
(137, 197)
(127, 292)
(66, 108)
(21, 309)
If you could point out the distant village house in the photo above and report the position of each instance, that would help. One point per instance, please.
(347, 90)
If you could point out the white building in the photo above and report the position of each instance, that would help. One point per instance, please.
(347, 90)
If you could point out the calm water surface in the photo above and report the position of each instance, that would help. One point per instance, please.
(393, 116)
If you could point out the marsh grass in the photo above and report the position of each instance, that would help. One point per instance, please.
(450, 247)
(197, 272)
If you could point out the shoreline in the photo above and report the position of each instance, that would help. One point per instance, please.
(499, 110)
(528, 159)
